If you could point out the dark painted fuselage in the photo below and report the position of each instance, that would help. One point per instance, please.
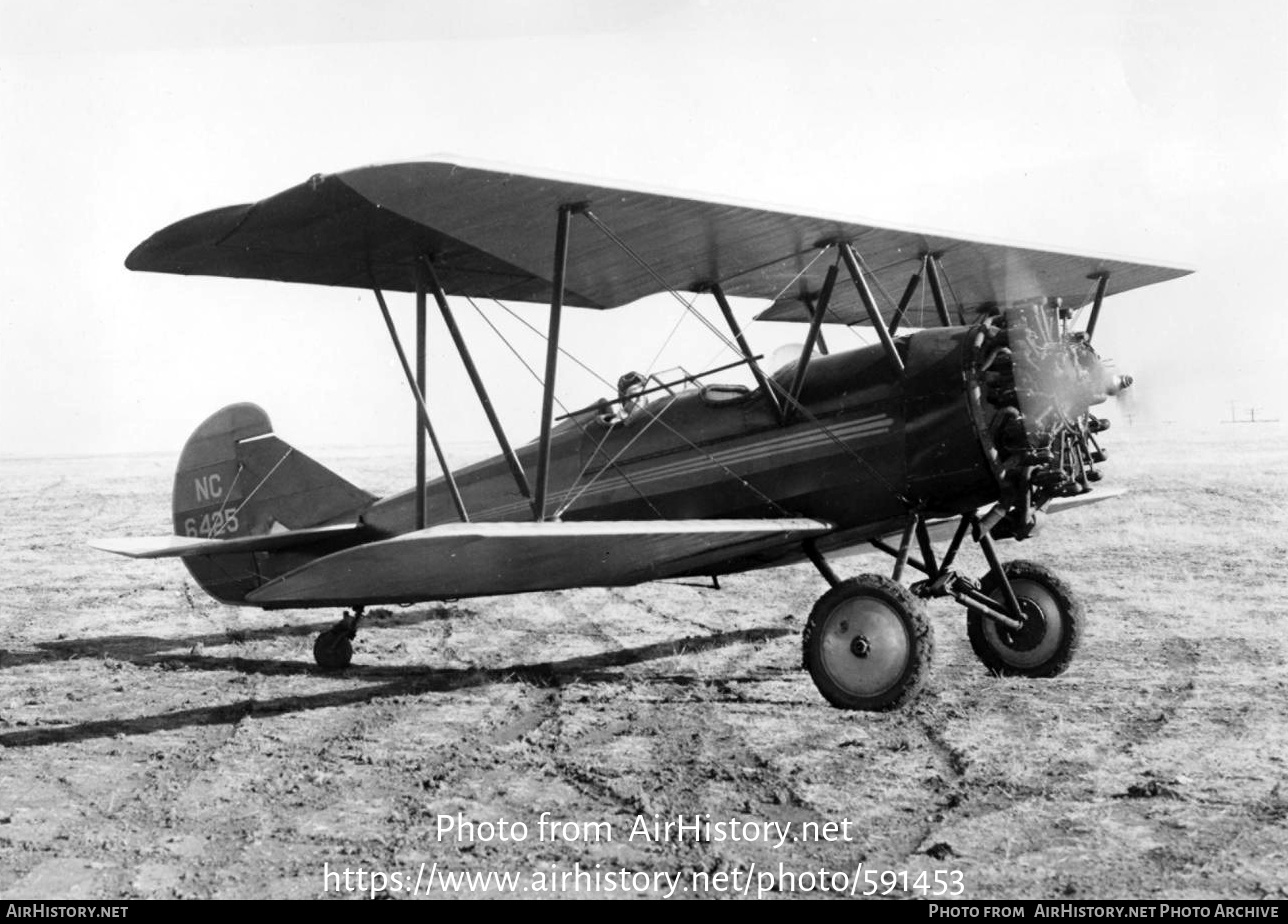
(869, 448)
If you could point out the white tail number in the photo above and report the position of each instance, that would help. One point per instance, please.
(212, 525)
(208, 487)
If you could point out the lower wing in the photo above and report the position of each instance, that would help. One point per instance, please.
(458, 560)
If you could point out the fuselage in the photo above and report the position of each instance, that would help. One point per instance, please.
(992, 415)
(863, 448)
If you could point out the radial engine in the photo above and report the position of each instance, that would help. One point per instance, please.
(1035, 386)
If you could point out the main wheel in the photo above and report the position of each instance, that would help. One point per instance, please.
(333, 649)
(1053, 623)
(868, 644)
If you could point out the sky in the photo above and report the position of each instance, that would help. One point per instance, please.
(1152, 131)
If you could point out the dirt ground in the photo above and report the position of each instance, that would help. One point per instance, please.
(157, 744)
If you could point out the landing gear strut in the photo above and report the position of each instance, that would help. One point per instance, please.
(1044, 645)
(868, 644)
(1021, 619)
(333, 649)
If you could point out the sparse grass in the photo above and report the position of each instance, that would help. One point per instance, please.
(159, 747)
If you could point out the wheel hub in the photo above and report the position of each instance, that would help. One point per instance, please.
(1029, 635)
(866, 647)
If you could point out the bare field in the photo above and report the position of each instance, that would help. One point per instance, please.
(156, 744)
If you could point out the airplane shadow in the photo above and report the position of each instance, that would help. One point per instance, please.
(596, 668)
(146, 649)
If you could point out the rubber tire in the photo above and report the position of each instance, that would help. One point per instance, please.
(1034, 585)
(333, 649)
(897, 612)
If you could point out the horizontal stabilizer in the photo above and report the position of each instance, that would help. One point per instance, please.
(458, 560)
(185, 546)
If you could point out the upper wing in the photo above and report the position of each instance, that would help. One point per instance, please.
(491, 234)
(458, 560)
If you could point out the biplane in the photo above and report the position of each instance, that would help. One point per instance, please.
(968, 414)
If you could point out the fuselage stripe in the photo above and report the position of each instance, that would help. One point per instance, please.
(729, 457)
(795, 442)
(856, 428)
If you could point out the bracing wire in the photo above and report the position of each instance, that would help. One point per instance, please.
(656, 418)
(657, 277)
(822, 250)
(604, 436)
(729, 344)
(644, 497)
(798, 407)
(573, 495)
(863, 265)
(228, 495)
(253, 491)
(1086, 300)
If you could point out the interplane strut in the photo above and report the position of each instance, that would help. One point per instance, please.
(511, 458)
(424, 422)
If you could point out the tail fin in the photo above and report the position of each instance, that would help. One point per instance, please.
(236, 479)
